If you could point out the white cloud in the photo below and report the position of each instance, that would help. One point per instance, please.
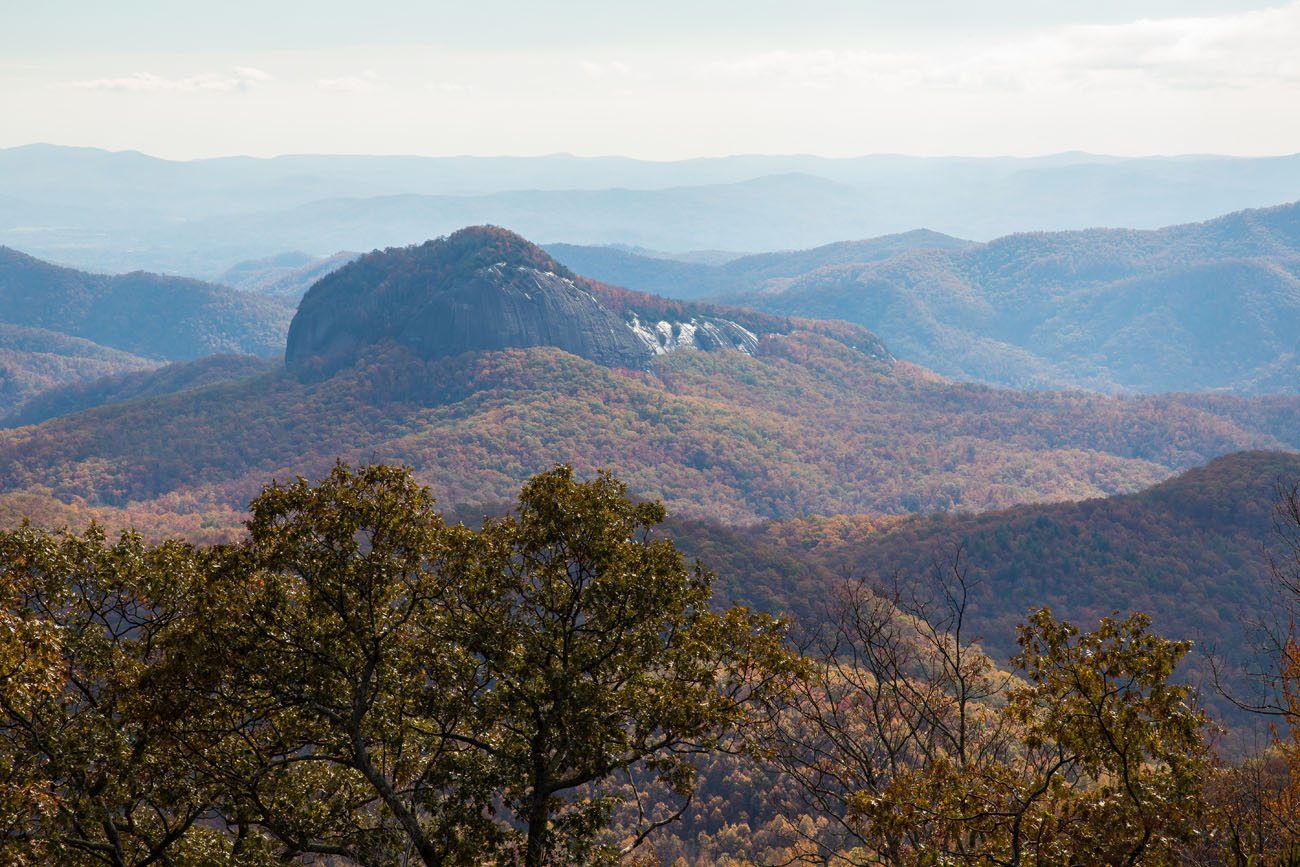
(252, 73)
(1206, 83)
(1240, 50)
(240, 78)
(819, 68)
(351, 83)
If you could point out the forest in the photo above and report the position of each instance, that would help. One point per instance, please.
(809, 426)
(360, 679)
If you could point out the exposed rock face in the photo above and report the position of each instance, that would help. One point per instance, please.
(483, 289)
(504, 306)
(705, 333)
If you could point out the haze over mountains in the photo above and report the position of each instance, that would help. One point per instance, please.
(1196, 307)
(789, 450)
(286, 276)
(684, 276)
(123, 211)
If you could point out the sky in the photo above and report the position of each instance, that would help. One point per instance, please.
(664, 80)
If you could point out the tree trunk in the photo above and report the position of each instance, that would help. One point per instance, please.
(539, 804)
(538, 818)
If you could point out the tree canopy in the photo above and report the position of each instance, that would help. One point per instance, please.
(359, 681)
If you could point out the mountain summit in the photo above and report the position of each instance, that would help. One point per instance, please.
(483, 288)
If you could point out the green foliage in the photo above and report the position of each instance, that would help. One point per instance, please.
(602, 655)
(1104, 701)
(93, 771)
(339, 685)
(358, 680)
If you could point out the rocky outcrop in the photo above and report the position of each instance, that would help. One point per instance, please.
(508, 306)
(484, 289)
(705, 333)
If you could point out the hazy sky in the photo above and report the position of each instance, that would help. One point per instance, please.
(662, 79)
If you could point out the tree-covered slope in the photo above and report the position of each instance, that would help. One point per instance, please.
(35, 359)
(115, 388)
(150, 315)
(808, 425)
(1191, 551)
(1201, 307)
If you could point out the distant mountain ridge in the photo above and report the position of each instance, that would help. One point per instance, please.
(1207, 306)
(755, 272)
(286, 276)
(123, 211)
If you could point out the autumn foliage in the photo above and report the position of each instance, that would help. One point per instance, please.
(359, 681)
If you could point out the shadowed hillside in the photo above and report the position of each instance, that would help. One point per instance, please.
(151, 315)
(1191, 551)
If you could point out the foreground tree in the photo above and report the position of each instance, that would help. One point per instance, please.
(599, 656)
(399, 689)
(92, 771)
(1257, 800)
(360, 682)
(1126, 742)
(334, 680)
(923, 752)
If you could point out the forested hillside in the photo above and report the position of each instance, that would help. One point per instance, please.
(802, 418)
(1194, 552)
(150, 315)
(809, 426)
(791, 417)
(679, 279)
(34, 359)
(116, 388)
(598, 434)
(1201, 307)
(251, 715)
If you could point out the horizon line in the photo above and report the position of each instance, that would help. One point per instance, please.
(663, 161)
